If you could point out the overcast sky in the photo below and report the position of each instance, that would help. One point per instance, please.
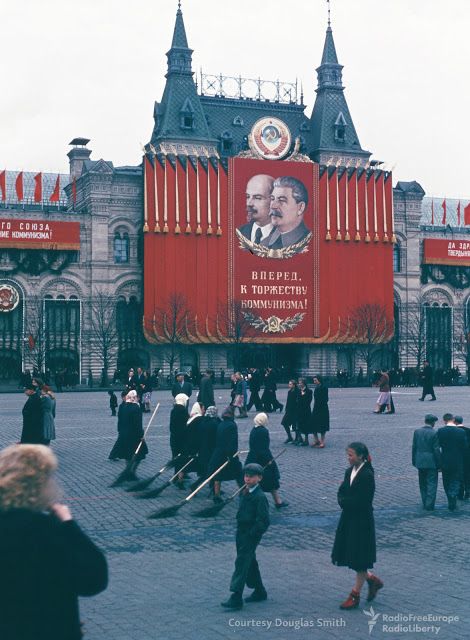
(94, 68)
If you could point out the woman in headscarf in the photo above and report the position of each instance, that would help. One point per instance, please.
(178, 432)
(289, 419)
(226, 446)
(193, 437)
(208, 438)
(320, 412)
(47, 561)
(260, 453)
(130, 429)
(48, 408)
(304, 415)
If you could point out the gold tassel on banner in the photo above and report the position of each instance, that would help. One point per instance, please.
(165, 200)
(338, 215)
(328, 234)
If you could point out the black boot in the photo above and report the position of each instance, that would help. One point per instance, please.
(258, 595)
(289, 437)
(234, 603)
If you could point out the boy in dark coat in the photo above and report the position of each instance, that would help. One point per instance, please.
(113, 403)
(252, 522)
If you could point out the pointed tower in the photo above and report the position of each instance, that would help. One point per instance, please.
(179, 117)
(333, 136)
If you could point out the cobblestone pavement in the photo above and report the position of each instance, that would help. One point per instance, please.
(167, 577)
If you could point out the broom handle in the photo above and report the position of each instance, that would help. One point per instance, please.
(182, 469)
(146, 429)
(191, 495)
(234, 495)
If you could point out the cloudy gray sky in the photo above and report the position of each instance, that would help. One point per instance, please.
(94, 68)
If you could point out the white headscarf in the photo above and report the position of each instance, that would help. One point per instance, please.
(196, 412)
(132, 396)
(261, 420)
(181, 399)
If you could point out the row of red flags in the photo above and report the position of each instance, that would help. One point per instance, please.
(466, 213)
(38, 190)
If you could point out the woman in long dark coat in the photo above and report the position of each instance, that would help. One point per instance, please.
(304, 412)
(226, 446)
(194, 427)
(33, 418)
(320, 412)
(260, 453)
(208, 439)
(130, 430)
(178, 432)
(289, 419)
(354, 545)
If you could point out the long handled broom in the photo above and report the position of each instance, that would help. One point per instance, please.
(143, 484)
(153, 493)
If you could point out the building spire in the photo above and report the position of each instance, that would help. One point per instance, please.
(179, 56)
(329, 13)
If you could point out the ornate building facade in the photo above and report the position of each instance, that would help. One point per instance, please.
(77, 306)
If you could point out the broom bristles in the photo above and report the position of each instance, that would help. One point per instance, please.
(141, 485)
(153, 493)
(167, 512)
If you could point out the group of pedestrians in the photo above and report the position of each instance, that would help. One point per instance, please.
(447, 450)
(38, 414)
(300, 419)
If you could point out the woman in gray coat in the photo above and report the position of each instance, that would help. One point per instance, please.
(48, 402)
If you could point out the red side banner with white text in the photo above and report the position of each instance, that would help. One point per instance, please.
(454, 252)
(274, 247)
(39, 234)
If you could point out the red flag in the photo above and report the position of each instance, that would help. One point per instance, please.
(444, 209)
(432, 211)
(19, 186)
(31, 342)
(458, 214)
(466, 214)
(74, 190)
(3, 184)
(38, 187)
(55, 194)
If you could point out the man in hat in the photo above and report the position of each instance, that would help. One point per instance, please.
(252, 522)
(427, 379)
(181, 386)
(453, 445)
(33, 418)
(426, 458)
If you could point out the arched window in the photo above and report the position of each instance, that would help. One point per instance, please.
(121, 248)
(396, 258)
(438, 330)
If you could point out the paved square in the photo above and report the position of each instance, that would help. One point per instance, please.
(167, 577)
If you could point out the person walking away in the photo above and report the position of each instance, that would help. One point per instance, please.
(254, 386)
(304, 415)
(252, 523)
(260, 453)
(178, 434)
(48, 402)
(384, 389)
(354, 544)
(130, 430)
(464, 493)
(113, 402)
(289, 419)
(425, 456)
(206, 390)
(453, 446)
(47, 561)
(207, 441)
(33, 418)
(427, 380)
(238, 396)
(269, 399)
(320, 412)
(226, 446)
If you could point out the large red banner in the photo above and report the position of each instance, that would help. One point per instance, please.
(39, 234)
(453, 252)
(273, 240)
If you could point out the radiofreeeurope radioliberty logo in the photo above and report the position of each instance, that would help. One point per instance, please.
(408, 622)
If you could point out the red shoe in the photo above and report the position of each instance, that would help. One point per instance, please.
(352, 601)
(374, 584)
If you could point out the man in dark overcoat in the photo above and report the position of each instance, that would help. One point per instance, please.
(181, 386)
(254, 385)
(427, 378)
(453, 445)
(33, 418)
(206, 390)
(425, 456)
(252, 522)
